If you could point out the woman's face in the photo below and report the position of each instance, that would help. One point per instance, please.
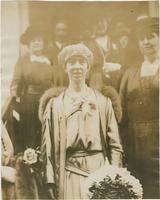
(123, 41)
(61, 31)
(77, 68)
(101, 27)
(148, 43)
(36, 45)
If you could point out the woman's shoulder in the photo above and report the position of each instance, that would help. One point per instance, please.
(106, 95)
(109, 96)
(107, 92)
(23, 59)
(132, 69)
(131, 72)
(49, 96)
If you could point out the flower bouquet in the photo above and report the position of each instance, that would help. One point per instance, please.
(111, 182)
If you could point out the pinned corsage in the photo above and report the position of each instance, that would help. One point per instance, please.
(31, 158)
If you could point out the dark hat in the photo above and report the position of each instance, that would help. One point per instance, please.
(145, 24)
(119, 30)
(31, 32)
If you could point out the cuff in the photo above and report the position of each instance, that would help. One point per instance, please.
(116, 158)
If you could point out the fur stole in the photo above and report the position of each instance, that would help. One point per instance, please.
(28, 184)
(107, 91)
(25, 186)
(50, 93)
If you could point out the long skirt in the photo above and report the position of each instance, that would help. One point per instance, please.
(30, 125)
(74, 181)
(143, 155)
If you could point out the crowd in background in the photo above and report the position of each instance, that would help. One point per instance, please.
(113, 49)
(124, 58)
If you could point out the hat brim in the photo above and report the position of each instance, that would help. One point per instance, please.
(31, 33)
(146, 25)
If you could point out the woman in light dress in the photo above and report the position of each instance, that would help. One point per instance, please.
(80, 132)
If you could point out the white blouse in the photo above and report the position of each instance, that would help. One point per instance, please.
(149, 69)
(82, 121)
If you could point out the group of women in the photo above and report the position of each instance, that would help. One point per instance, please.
(78, 130)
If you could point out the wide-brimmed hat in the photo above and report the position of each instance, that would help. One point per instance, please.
(75, 50)
(145, 24)
(31, 32)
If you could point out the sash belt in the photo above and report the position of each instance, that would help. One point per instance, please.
(78, 170)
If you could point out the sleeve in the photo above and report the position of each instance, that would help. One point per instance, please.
(123, 96)
(113, 136)
(16, 84)
(52, 76)
(109, 91)
(124, 122)
(46, 145)
(113, 79)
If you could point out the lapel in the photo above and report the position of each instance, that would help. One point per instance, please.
(60, 141)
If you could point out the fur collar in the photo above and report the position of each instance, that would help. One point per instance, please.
(49, 94)
(107, 91)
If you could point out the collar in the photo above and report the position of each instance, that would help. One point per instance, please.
(150, 69)
(40, 59)
(60, 45)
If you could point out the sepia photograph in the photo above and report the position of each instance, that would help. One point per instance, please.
(80, 100)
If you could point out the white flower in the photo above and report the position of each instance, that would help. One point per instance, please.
(112, 171)
(30, 156)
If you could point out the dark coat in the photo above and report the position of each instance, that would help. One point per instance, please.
(29, 82)
(140, 103)
(27, 73)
